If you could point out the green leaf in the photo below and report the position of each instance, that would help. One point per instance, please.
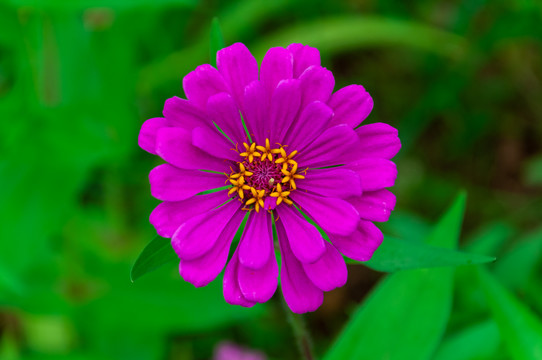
(157, 253)
(521, 330)
(217, 40)
(518, 266)
(396, 254)
(480, 341)
(338, 34)
(490, 238)
(406, 315)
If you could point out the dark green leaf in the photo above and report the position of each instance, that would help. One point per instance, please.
(157, 253)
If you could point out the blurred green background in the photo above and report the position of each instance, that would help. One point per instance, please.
(461, 80)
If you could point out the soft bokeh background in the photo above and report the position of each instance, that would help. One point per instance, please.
(461, 80)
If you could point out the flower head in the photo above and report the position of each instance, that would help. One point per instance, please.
(289, 148)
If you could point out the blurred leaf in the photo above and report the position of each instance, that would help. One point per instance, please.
(489, 239)
(79, 5)
(8, 346)
(533, 171)
(157, 253)
(416, 303)
(406, 225)
(446, 232)
(520, 329)
(9, 285)
(337, 34)
(480, 341)
(518, 266)
(217, 40)
(396, 254)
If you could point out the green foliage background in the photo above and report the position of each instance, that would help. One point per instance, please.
(461, 80)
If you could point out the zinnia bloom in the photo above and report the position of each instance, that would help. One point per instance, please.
(288, 148)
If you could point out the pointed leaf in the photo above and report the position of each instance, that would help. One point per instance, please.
(406, 315)
(396, 254)
(157, 253)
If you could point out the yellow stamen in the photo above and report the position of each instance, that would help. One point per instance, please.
(250, 152)
(267, 153)
(286, 158)
(281, 195)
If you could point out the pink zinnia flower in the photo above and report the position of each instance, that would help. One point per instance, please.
(301, 150)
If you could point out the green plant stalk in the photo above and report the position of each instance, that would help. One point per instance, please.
(301, 333)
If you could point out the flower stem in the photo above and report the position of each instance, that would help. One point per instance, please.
(301, 333)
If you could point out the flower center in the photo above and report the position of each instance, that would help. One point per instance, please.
(264, 172)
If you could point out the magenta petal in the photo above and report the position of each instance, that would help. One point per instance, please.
(174, 145)
(361, 244)
(232, 291)
(374, 205)
(224, 112)
(328, 272)
(351, 105)
(378, 141)
(330, 148)
(284, 107)
(238, 67)
(277, 65)
(214, 143)
(312, 122)
(147, 134)
(305, 240)
(270, 203)
(257, 241)
(256, 111)
(304, 56)
(202, 83)
(259, 285)
(169, 215)
(299, 292)
(197, 235)
(375, 174)
(335, 216)
(169, 183)
(183, 113)
(316, 85)
(204, 269)
(335, 182)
